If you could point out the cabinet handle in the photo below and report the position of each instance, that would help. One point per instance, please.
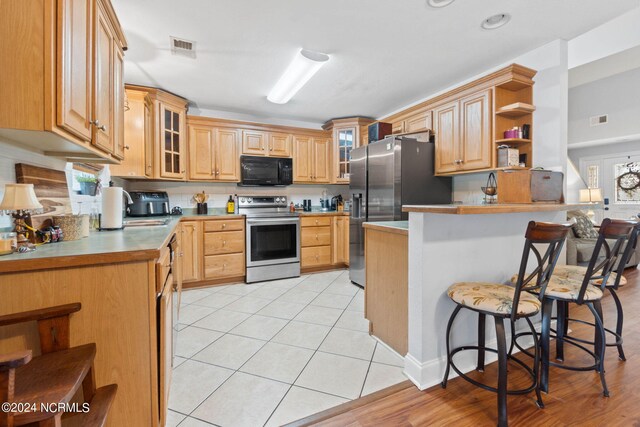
(94, 122)
(224, 243)
(224, 266)
(217, 172)
(316, 237)
(317, 257)
(103, 128)
(126, 147)
(316, 224)
(183, 171)
(224, 225)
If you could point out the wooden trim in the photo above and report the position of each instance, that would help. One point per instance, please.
(161, 95)
(514, 72)
(348, 121)
(238, 124)
(216, 282)
(386, 228)
(330, 267)
(491, 209)
(115, 22)
(349, 406)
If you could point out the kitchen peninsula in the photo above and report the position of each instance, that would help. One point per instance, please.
(456, 243)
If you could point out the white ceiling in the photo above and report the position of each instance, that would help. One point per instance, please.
(385, 54)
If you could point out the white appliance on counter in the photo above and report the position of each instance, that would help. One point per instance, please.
(272, 238)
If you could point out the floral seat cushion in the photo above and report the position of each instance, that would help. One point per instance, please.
(578, 272)
(492, 298)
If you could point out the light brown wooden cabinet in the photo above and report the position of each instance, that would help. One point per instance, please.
(213, 153)
(261, 143)
(341, 240)
(311, 159)
(418, 122)
(172, 153)
(223, 250)
(191, 251)
(463, 134)
(138, 138)
(64, 78)
(347, 135)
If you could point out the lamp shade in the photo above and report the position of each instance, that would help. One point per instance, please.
(19, 197)
(591, 195)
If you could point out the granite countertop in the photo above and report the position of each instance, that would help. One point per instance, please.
(399, 227)
(101, 247)
(497, 208)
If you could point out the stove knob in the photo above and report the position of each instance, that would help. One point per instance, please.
(277, 199)
(249, 200)
(241, 199)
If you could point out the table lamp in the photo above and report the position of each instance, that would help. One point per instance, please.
(20, 200)
(591, 196)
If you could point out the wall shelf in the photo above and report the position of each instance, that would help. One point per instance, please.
(517, 109)
(513, 141)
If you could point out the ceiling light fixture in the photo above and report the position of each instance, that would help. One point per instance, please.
(495, 21)
(298, 73)
(439, 3)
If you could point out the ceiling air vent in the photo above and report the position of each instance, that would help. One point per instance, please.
(599, 120)
(183, 47)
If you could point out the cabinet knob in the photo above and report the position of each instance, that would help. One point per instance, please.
(183, 171)
(217, 172)
(224, 243)
(317, 257)
(316, 237)
(126, 147)
(316, 224)
(224, 266)
(224, 225)
(94, 122)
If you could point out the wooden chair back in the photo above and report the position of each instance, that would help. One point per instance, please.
(613, 234)
(545, 241)
(629, 250)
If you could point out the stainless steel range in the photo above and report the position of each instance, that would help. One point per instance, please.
(273, 238)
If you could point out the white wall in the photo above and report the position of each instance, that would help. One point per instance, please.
(617, 95)
(609, 38)
(600, 150)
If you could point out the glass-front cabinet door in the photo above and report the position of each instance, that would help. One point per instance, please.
(172, 153)
(345, 142)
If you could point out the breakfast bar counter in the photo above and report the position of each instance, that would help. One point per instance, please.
(459, 243)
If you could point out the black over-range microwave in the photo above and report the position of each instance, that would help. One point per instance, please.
(271, 171)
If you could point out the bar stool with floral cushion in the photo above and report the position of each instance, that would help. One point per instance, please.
(581, 289)
(614, 281)
(508, 302)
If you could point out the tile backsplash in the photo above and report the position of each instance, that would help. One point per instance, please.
(181, 193)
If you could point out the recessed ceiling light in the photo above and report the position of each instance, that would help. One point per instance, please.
(439, 3)
(495, 21)
(300, 70)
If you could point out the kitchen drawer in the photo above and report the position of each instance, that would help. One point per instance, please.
(224, 225)
(315, 236)
(224, 242)
(218, 266)
(316, 256)
(315, 221)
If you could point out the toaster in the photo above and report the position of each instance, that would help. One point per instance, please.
(148, 203)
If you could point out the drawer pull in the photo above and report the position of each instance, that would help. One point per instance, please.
(224, 243)
(316, 237)
(224, 225)
(224, 266)
(316, 222)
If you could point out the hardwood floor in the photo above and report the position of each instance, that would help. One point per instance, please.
(575, 398)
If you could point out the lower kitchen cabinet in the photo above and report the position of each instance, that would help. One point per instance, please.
(341, 240)
(223, 249)
(324, 241)
(190, 260)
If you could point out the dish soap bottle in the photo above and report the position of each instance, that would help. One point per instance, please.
(231, 206)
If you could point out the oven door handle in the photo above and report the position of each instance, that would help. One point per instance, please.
(277, 221)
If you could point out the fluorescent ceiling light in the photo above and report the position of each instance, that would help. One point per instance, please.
(495, 21)
(298, 73)
(439, 3)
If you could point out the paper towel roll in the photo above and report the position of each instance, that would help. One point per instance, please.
(111, 208)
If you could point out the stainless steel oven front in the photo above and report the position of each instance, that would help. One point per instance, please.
(273, 247)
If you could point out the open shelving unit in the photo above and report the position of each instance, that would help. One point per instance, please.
(513, 106)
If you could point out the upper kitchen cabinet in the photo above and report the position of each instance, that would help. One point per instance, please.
(463, 134)
(65, 78)
(346, 137)
(138, 137)
(262, 143)
(311, 159)
(213, 151)
(154, 136)
(469, 121)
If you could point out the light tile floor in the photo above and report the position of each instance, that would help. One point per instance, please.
(270, 353)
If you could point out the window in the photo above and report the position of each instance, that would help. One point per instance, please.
(627, 182)
(593, 172)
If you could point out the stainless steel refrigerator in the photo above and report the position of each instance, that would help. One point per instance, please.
(385, 175)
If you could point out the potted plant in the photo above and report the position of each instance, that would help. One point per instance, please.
(88, 185)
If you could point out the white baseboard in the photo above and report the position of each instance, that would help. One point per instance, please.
(430, 373)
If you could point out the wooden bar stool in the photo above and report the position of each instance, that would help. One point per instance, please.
(508, 302)
(52, 378)
(615, 280)
(564, 291)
